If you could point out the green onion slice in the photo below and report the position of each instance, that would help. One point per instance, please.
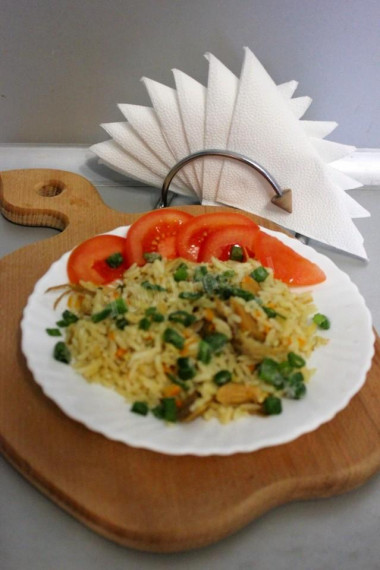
(295, 360)
(259, 274)
(182, 317)
(171, 336)
(236, 253)
(140, 408)
(181, 273)
(269, 371)
(272, 405)
(53, 332)
(151, 256)
(216, 341)
(62, 353)
(321, 321)
(222, 377)
(68, 318)
(115, 260)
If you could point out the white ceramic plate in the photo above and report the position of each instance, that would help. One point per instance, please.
(341, 371)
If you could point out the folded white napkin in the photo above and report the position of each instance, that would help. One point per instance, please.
(252, 116)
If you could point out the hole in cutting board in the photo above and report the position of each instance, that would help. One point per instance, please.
(51, 189)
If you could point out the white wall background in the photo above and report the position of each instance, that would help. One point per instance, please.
(64, 65)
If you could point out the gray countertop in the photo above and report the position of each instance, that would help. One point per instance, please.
(339, 532)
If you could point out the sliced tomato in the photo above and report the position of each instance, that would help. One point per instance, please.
(88, 261)
(287, 265)
(219, 242)
(155, 232)
(194, 233)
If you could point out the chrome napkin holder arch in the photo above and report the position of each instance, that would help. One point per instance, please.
(282, 198)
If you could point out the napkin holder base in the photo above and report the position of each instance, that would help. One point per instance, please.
(282, 198)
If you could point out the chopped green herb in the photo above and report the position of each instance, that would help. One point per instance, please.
(270, 313)
(101, 315)
(259, 274)
(216, 341)
(296, 377)
(151, 256)
(159, 411)
(210, 284)
(321, 321)
(182, 317)
(236, 253)
(222, 377)
(53, 332)
(285, 368)
(175, 380)
(190, 296)
(158, 317)
(154, 315)
(152, 286)
(150, 311)
(144, 324)
(243, 294)
(200, 272)
(62, 353)
(172, 337)
(68, 318)
(227, 291)
(118, 306)
(204, 352)
(272, 405)
(226, 275)
(115, 260)
(181, 273)
(269, 371)
(295, 360)
(140, 408)
(115, 308)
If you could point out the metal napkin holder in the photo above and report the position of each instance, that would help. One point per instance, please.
(282, 198)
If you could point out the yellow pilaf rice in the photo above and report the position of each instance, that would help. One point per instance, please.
(142, 367)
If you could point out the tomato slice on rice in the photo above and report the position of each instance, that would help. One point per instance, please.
(195, 232)
(155, 232)
(288, 265)
(88, 261)
(219, 242)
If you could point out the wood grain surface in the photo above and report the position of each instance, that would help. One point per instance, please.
(138, 498)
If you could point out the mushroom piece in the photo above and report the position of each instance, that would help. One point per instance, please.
(235, 394)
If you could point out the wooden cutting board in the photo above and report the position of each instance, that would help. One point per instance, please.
(138, 498)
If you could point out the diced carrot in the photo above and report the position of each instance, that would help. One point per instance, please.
(75, 301)
(249, 284)
(188, 347)
(120, 352)
(209, 314)
(288, 265)
(111, 335)
(167, 369)
(171, 391)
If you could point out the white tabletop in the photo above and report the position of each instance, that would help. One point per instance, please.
(334, 533)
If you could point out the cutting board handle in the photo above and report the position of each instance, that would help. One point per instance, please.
(45, 197)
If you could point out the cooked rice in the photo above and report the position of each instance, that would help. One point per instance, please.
(141, 366)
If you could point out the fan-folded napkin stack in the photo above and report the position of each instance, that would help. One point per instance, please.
(252, 116)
